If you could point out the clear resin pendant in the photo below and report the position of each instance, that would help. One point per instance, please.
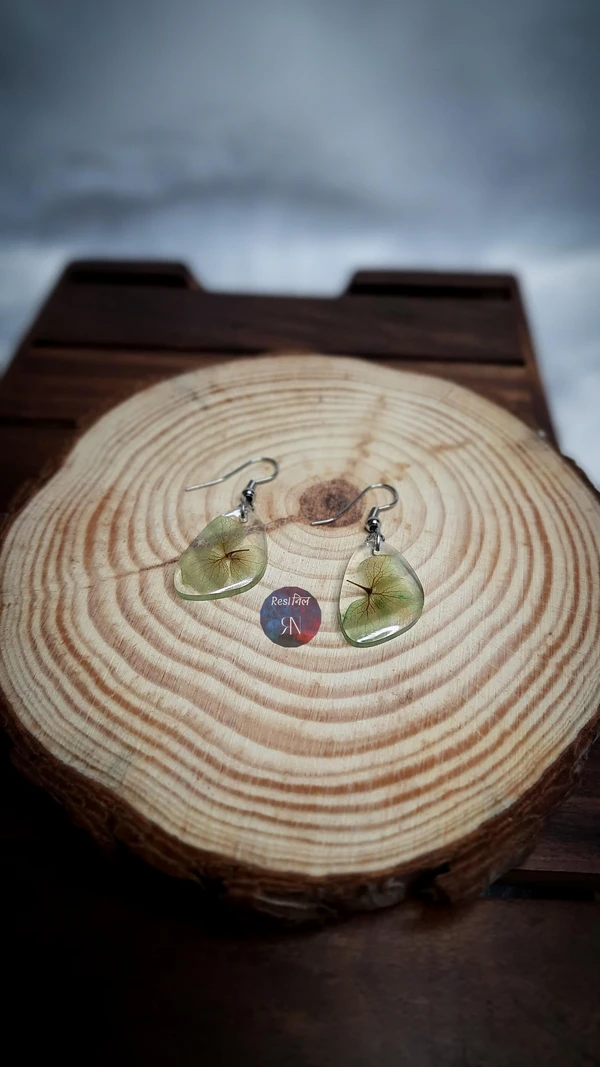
(228, 557)
(381, 596)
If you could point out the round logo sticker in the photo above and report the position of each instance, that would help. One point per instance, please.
(290, 616)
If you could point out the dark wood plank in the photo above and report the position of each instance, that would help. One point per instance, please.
(73, 382)
(570, 842)
(28, 450)
(433, 284)
(454, 293)
(154, 974)
(152, 273)
(139, 317)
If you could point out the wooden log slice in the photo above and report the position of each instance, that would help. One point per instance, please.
(325, 776)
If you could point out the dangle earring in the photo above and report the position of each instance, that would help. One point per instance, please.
(229, 556)
(381, 596)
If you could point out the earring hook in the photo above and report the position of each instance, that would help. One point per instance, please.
(376, 510)
(255, 481)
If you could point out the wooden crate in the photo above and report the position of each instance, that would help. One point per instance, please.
(415, 985)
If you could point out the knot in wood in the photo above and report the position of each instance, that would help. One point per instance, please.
(325, 499)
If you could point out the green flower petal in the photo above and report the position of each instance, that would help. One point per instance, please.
(226, 533)
(228, 557)
(389, 597)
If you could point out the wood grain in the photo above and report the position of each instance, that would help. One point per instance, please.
(484, 331)
(326, 773)
(502, 984)
(73, 384)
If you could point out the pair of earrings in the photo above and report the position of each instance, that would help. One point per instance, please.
(381, 596)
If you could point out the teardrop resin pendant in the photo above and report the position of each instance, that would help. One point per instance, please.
(229, 556)
(381, 596)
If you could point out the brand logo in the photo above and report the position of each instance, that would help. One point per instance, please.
(290, 617)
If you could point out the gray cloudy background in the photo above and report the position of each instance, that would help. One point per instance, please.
(280, 145)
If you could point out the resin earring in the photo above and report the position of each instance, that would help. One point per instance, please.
(229, 556)
(381, 596)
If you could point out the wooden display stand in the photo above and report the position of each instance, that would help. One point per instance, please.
(316, 780)
(323, 777)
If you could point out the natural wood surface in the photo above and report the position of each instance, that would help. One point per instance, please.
(502, 984)
(481, 329)
(323, 776)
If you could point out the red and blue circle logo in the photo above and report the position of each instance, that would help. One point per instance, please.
(290, 616)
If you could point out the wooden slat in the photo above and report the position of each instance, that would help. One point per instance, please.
(434, 285)
(570, 842)
(73, 382)
(424, 290)
(140, 317)
(153, 273)
(155, 976)
(26, 450)
(437, 285)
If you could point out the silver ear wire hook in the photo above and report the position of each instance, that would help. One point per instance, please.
(380, 507)
(247, 497)
(372, 525)
(236, 470)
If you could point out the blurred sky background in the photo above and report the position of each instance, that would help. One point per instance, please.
(279, 146)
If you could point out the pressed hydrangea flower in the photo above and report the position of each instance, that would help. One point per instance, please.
(226, 558)
(390, 598)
